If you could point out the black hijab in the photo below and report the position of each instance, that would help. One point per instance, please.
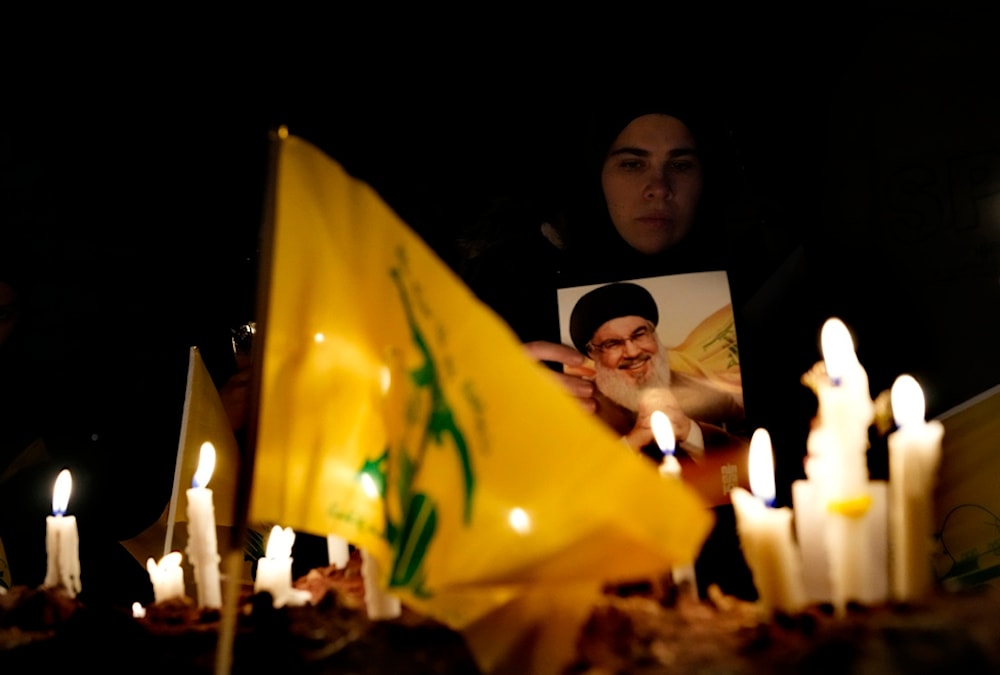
(595, 250)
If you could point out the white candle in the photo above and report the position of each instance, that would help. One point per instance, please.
(682, 574)
(812, 520)
(338, 551)
(838, 465)
(203, 548)
(274, 570)
(766, 534)
(62, 541)
(914, 457)
(378, 603)
(845, 413)
(166, 576)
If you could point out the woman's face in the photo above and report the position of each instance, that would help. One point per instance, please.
(652, 181)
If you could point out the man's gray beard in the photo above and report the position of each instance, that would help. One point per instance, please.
(621, 388)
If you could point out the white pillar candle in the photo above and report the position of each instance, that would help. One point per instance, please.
(62, 540)
(274, 570)
(203, 548)
(378, 603)
(683, 574)
(167, 577)
(766, 534)
(914, 458)
(811, 525)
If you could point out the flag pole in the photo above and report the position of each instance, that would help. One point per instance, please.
(233, 562)
(168, 539)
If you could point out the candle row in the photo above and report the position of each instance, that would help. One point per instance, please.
(850, 538)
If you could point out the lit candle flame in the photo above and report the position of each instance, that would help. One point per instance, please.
(61, 491)
(663, 432)
(908, 406)
(279, 543)
(762, 466)
(838, 349)
(206, 465)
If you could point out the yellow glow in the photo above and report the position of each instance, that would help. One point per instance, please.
(283, 131)
(838, 348)
(60, 493)
(385, 379)
(519, 520)
(762, 466)
(172, 559)
(663, 431)
(908, 405)
(369, 486)
(319, 338)
(206, 465)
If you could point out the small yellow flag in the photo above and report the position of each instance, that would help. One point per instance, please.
(204, 420)
(399, 412)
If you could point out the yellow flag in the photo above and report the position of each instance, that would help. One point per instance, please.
(400, 413)
(204, 420)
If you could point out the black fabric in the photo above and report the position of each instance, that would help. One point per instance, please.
(609, 302)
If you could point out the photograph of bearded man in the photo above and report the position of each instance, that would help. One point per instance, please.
(617, 326)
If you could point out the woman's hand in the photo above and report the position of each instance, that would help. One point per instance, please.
(576, 376)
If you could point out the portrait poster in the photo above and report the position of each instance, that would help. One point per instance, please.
(666, 343)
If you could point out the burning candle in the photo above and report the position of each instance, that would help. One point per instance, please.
(850, 508)
(914, 457)
(62, 541)
(203, 548)
(274, 570)
(766, 534)
(663, 431)
(846, 411)
(166, 576)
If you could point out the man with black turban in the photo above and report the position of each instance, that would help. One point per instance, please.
(615, 325)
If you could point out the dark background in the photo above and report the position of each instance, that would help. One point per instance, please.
(134, 166)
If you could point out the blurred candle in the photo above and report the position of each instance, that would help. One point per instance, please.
(766, 534)
(274, 570)
(378, 603)
(845, 413)
(338, 551)
(203, 548)
(166, 576)
(663, 431)
(914, 457)
(837, 464)
(62, 540)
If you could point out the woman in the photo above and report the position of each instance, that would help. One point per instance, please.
(655, 193)
(651, 201)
